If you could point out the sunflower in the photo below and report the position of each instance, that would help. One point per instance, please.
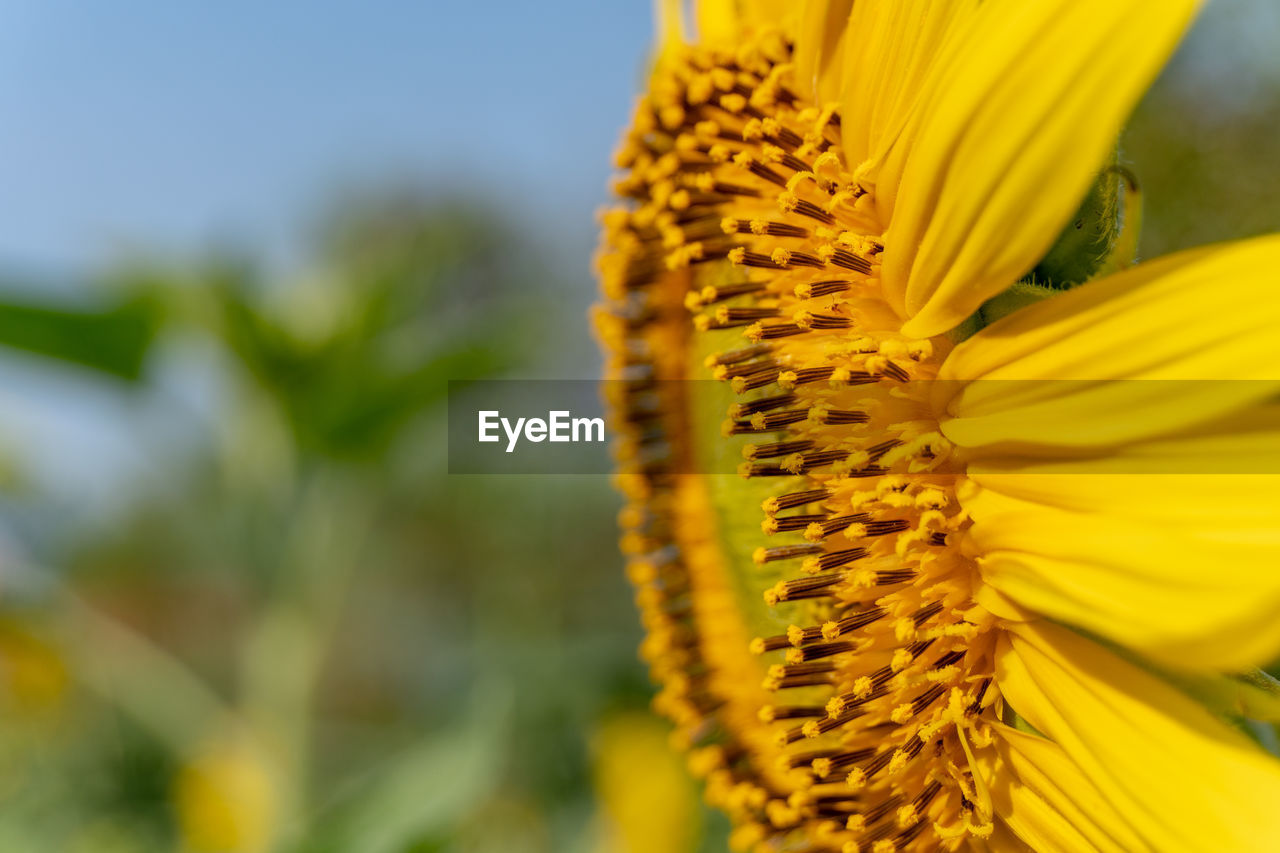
(979, 582)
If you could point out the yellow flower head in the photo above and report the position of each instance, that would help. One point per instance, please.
(847, 633)
(227, 798)
(33, 674)
(648, 802)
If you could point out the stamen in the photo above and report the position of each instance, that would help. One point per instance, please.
(729, 168)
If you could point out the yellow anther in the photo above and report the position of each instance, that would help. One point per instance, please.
(855, 531)
(765, 96)
(733, 102)
(700, 89)
(947, 673)
(901, 714)
(671, 237)
(703, 761)
(793, 464)
(827, 160)
(672, 116)
(722, 79)
(687, 143)
(932, 499)
(800, 799)
(863, 578)
(684, 255)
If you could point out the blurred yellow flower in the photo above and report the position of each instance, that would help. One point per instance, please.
(33, 674)
(822, 201)
(226, 798)
(648, 801)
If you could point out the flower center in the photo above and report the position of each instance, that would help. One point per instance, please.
(749, 254)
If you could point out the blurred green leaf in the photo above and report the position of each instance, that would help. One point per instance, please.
(114, 339)
(427, 790)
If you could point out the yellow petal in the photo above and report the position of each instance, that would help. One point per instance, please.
(1050, 804)
(1188, 597)
(1219, 508)
(717, 21)
(1183, 780)
(1208, 314)
(668, 22)
(1056, 437)
(1173, 306)
(820, 37)
(1011, 132)
(724, 20)
(898, 42)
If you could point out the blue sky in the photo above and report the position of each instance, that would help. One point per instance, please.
(170, 125)
(167, 126)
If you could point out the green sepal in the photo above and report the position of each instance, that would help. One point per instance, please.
(1086, 241)
(1100, 239)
